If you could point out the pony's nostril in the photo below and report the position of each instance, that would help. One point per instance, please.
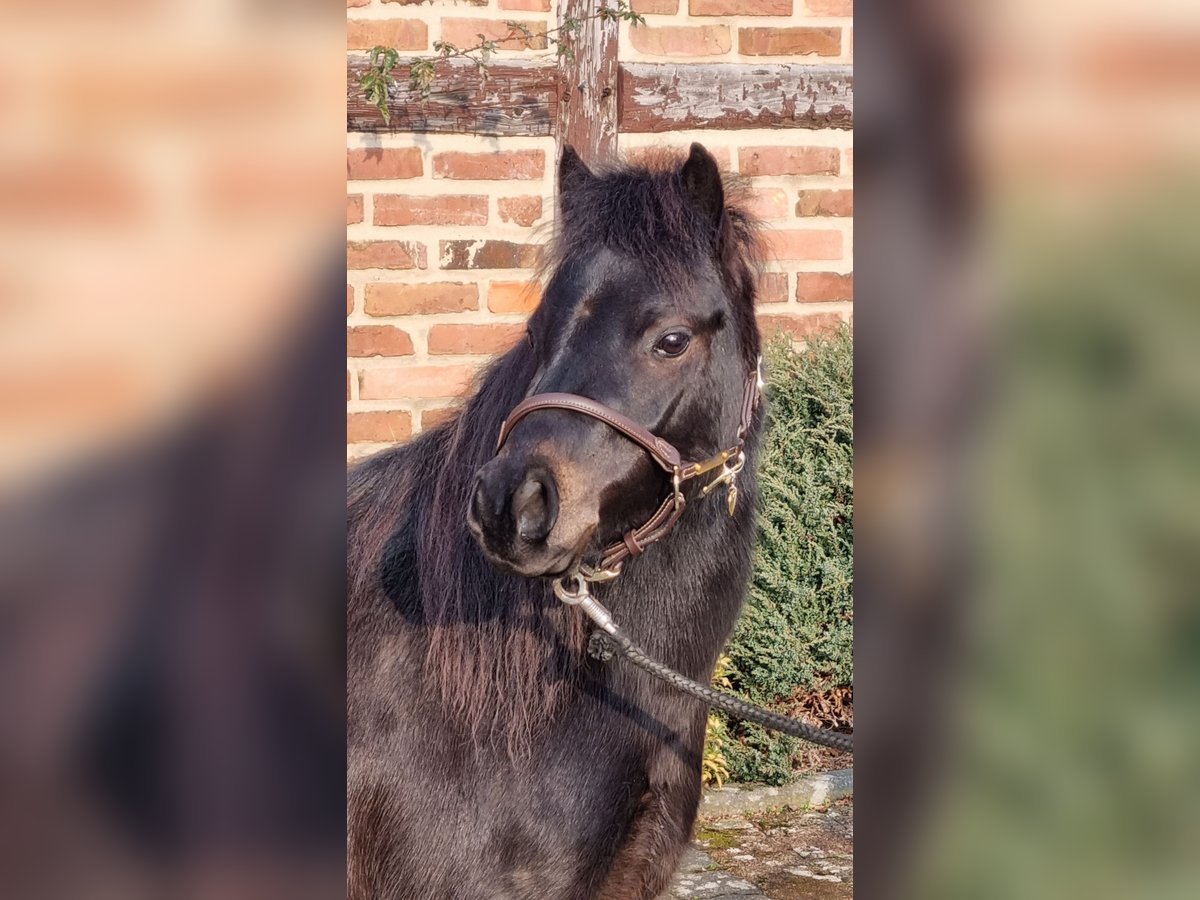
(512, 503)
(535, 507)
(488, 504)
(478, 505)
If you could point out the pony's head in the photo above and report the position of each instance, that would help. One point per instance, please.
(648, 309)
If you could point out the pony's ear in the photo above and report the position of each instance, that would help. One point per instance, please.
(702, 181)
(571, 170)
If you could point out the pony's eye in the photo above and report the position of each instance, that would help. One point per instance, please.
(672, 343)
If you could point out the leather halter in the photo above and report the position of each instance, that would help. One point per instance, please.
(634, 542)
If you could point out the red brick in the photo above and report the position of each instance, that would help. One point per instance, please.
(523, 211)
(347, 384)
(821, 287)
(377, 340)
(769, 203)
(482, 254)
(414, 382)
(788, 160)
(401, 209)
(385, 255)
(802, 326)
(640, 156)
(526, 5)
(349, 299)
(373, 162)
(790, 41)
(739, 7)
(378, 426)
(655, 7)
(825, 203)
(386, 299)
(513, 296)
(400, 34)
(464, 33)
(772, 287)
(475, 339)
(829, 7)
(435, 416)
(808, 243)
(523, 165)
(681, 40)
(354, 209)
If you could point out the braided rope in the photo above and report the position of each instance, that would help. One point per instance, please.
(617, 640)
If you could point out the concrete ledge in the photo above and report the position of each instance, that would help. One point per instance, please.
(811, 790)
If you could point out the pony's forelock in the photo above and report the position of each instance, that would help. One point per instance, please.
(643, 211)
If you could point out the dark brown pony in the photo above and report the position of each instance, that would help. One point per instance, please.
(489, 756)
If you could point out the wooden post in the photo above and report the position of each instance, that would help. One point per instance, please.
(587, 100)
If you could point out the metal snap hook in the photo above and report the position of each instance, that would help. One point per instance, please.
(597, 576)
(570, 597)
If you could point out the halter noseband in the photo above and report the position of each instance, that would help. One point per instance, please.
(659, 525)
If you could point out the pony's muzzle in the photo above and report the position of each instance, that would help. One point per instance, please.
(513, 510)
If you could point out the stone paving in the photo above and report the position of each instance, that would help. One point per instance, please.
(781, 854)
(700, 876)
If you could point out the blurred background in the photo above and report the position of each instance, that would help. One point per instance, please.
(172, 448)
(1027, 449)
(171, 621)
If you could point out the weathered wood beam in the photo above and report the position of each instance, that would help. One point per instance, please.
(673, 97)
(518, 98)
(522, 98)
(587, 107)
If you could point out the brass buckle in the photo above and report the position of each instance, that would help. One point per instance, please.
(728, 476)
(713, 462)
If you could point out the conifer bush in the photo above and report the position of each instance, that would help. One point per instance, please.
(795, 634)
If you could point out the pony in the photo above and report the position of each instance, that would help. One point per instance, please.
(488, 754)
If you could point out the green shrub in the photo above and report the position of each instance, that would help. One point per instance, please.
(713, 769)
(796, 631)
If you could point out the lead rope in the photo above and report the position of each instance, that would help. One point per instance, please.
(616, 640)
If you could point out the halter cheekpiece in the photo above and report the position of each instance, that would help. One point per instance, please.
(634, 542)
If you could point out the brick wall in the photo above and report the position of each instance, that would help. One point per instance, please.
(442, 229)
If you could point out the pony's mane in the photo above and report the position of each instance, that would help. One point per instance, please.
(503, 654)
